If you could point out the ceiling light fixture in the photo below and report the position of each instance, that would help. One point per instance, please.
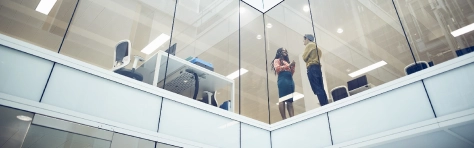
(269, 25)
(23, 118)
(236, 73)
(295, 96)
(368, 68)
(45, 6)
(339, 30)
(242, 10)
(259, 36)
(463, 30)
(155, 44)
(306, 8)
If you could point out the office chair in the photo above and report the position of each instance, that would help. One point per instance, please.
(210, 98)
(122, 59)
(339, 93)
(415, 67)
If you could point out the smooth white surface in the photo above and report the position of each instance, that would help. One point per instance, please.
(82, 92)
(437, 139)
(452, 91)
(45, 6)
(193, 124)
(310, 133)
(268, 4)
(22, 74)
(253, 137)
(408, 105)
(257, 4)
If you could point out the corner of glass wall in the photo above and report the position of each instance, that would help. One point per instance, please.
(121, 36)
(36, 22)
(253, 66)
(437, 31)
(363, 45)
(202, 61)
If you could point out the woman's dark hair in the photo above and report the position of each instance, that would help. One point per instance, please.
(279, 55)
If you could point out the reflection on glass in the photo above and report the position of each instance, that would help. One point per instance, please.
(204, 57)
(39, 22)
(437, 30)
(253, 90)
(120, 36)
(362, 44)
(285, 25)
(13, 126)
(43, 137)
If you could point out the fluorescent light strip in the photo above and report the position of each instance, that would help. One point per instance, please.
(295, 96)
(155, 44)
(45, 6)
(463, 30)
(236, 73)
(368, 68)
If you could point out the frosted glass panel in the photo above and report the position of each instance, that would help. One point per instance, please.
(193, 124)
(400, 107)
(82, 92)
(255, 137)
(310, 133)
(452, 91)
(23, 75)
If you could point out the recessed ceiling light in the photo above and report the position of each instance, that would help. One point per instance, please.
(259, 36)
(269, 25)
(367, 69)
(339, 30)
(45, 6)
(236, 73)
(463, 30)
(306, 8)
(242, 10)
(23, 118)
(155, 44)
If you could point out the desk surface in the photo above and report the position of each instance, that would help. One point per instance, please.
(213, 81)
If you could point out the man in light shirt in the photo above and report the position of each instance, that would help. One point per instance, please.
(311, 56)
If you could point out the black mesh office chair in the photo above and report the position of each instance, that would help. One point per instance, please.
(339, 93)
(122, 59)
(412, 68)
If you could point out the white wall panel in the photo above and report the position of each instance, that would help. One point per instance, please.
(193, 124)
(310, 133)
(400, 107)
(23, 75)
(254, 137)
(452, 91)
(82, 92)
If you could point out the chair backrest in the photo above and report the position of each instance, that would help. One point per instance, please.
(339, 93)
(122, 54)
(415, 67)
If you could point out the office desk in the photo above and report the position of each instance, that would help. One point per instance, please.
(209, 80)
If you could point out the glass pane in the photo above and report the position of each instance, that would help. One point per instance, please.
(43, 137)
(121, 36)
(124, 141)
(13, 126)
(204, 52)
(362, 43)
(38, 22)
(286, 25)
(437, 30)
(253, 80)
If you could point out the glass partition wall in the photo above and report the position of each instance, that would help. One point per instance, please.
(223, 52)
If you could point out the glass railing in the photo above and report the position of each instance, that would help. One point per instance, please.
(298, 56)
